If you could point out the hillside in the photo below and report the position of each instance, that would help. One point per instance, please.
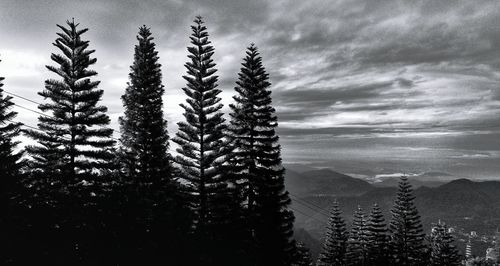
(469, 205)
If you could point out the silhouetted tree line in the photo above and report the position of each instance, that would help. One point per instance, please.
(77, 197)
(80, 198)
(372, 242)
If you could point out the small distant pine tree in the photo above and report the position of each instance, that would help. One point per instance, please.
(356, 244)
(443, 252)
(334, 248)
(377, 238)
(302, 256)
(202, 153)
(256, 164)
(407, 237)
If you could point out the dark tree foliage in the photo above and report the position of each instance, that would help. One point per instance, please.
(64, 218)
(9, 166)
(147, 170)
(202, 152)
(9, 173)
(74, 137)
(256, 164)
(144, 135)
(443, 252)
(334, 248)
(407, 237)
(302, 255)
(356, 244)
(377, 238)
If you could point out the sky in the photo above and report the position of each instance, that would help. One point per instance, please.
(365, 87)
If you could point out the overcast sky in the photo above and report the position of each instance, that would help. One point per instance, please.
(363, 86)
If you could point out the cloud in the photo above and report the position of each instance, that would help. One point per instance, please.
(351, 73)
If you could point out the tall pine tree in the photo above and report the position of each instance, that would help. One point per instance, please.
(256, 164)
(443, 252)
(407, 237)
(377, 238)
(72, 154)
(202, 152)
(74, 137)
(144, 152)
(144, 135)
(334, 248)
(356, 244)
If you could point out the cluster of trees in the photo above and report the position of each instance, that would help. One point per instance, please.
(372, 242)
(80, 197)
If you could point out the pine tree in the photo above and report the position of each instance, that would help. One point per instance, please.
(144, 133)
(9, 159)
(9, 129)
(72, 154)
(302, 256)
(377, 238)
(356, 244)
(144, 150)
(407, 237)
(75, 138)
(334, 248)
(443, 252)
(202, 152)
(9, 178)
(256, 164)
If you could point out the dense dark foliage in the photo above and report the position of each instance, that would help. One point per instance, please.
(407, 237)
(144, 135)
(202, 152)
(356, 244)
(377, 238)
(73, 140)
(146, 169)
(443, 252)
(334, 249)
(256, 164)
(66, 185)
(9, 168)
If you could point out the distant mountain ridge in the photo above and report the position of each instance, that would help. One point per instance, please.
(470, 205)
(324, 182)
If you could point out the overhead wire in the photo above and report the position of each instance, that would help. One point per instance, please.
(34, 111)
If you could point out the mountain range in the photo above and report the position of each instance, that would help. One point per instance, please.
(462, 203)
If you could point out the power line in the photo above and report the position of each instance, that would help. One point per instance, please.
(21, 97)
(34, 111)
(305, 214)
(34, 128)
(305, 204)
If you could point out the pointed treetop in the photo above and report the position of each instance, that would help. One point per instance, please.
(145, 33)
(198, 19)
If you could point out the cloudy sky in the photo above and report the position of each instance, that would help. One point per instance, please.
(366, 87)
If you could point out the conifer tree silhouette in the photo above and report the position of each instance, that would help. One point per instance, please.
(256, 164)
